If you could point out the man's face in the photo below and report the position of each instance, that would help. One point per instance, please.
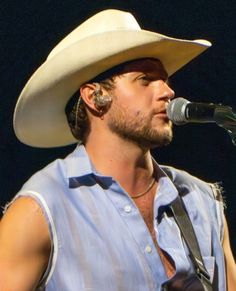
(140, 97)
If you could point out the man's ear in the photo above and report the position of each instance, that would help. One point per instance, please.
(87, 94)
(96, 101)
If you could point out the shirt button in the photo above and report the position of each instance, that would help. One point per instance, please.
(127, 208)
(148, 249)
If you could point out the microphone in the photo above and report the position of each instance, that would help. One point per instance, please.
(180, 111)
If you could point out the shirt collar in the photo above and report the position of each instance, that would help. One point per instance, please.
(80, 170)
(78, 163)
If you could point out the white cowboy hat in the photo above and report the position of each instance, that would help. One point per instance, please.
(109, 38)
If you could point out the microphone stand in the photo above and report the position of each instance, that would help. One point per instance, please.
(226, 118)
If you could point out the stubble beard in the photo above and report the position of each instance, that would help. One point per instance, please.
(139, 130)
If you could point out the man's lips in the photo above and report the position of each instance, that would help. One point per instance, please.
(161, 112)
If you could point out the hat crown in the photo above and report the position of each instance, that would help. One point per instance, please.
(104, 21)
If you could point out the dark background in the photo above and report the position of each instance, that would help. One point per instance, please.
(29, 29)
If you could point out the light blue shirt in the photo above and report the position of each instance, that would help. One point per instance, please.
(100, 240)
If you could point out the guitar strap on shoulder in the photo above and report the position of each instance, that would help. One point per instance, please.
(183, 221)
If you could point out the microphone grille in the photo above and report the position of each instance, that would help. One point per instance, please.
(176, 110)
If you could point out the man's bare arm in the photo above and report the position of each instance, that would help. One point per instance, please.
(229, 260)
(24, 246)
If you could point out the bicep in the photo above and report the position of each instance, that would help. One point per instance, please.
(229, 259)
(24, 246)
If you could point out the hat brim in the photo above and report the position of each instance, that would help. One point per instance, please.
(39, 117)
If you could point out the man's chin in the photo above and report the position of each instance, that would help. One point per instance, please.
(162, 138)
(156, 140)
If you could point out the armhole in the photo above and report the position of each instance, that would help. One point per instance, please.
(52, 229)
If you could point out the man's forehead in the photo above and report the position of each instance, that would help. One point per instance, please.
(144, 65)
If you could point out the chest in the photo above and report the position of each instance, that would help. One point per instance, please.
(101, 233)
(145, 206)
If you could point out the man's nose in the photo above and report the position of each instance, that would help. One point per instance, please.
(167, 92)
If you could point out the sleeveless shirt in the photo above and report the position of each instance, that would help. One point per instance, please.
(100, 241)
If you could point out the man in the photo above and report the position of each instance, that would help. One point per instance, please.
(99, 219)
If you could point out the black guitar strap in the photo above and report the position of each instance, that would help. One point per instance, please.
(182, 219)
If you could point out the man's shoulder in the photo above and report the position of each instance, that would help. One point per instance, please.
(182, 175)
(186, 182)
(56, 171)
(53, 173)
(52, 170)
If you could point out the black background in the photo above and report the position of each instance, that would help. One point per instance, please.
(29, 29)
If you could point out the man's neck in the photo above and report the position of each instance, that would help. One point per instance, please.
(126, 162)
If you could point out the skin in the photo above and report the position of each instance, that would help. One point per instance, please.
(135, 122)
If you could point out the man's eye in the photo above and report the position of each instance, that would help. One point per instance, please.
(145, 79)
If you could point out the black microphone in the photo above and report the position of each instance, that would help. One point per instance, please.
(181, 111)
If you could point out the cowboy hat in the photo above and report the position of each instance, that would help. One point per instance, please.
(105, 40)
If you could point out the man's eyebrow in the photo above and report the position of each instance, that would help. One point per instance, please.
(161, 75)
